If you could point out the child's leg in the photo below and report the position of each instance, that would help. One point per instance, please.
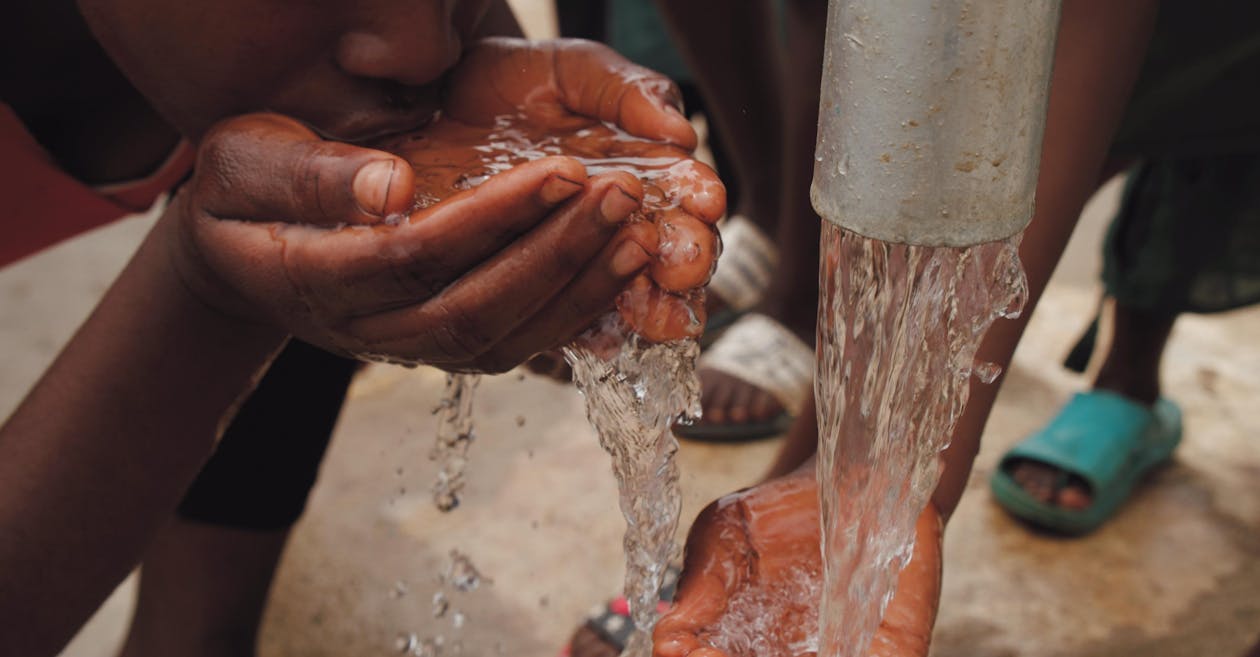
(737, 69)
(765, 105)
(1130, 368)
(205, 578)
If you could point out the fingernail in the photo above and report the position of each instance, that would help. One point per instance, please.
(627, 259)
(371, 186)
(556, 189)
(617, 205)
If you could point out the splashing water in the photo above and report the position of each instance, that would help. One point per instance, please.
(749, 624)
(634, 390)
(634, 393)
(454, 436)
(898, 329)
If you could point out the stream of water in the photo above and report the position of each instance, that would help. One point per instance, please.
(454, 437)
(634, 388)
(898, 330)
(633, 397)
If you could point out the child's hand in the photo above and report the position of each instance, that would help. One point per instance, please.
(758, 542)
(562, 84)
(564, 89)
(480, 281)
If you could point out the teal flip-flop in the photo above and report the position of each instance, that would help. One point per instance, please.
(1106, 440)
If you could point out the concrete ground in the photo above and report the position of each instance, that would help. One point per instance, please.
(1177, 573)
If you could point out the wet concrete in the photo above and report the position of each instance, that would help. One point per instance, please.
(1177, 572)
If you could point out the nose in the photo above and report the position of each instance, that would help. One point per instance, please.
(412, 42)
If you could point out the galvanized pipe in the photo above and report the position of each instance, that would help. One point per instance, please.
(931, 116)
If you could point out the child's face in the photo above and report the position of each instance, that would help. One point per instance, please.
(353, 69)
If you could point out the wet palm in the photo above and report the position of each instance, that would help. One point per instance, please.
(512, 104)
(759, 540)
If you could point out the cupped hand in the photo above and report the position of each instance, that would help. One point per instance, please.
(517, 99)
(563, 84)
(763, 544)
(281, 227)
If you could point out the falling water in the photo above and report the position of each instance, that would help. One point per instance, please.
(634, 390)
(454, 436)
(634, 393)
(898, 329)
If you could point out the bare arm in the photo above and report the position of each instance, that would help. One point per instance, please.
(96, 457)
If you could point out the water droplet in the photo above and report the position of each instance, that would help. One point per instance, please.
(987, 372)
(462, 574)
(440, 604)
(405, 643)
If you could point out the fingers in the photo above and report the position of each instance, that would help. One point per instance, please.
(595, 81)
(555, 81)
(490, 302)
(589, 296)
(362, 270)
(267, 167)
(700, 191)
(688, 252)
(659, 316)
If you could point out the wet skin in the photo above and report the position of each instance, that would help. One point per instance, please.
(675, 200)
(754, 539)
(479, 279)
(281, 231)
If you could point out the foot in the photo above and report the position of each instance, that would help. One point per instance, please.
(754, 373)
(761, 540)
(1050, 485)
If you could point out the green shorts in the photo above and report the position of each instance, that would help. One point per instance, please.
(1187, 236)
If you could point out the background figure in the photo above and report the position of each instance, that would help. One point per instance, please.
(1185, 239)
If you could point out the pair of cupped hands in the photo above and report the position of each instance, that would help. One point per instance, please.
(324, 241)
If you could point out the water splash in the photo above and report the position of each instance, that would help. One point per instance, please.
(454, 436)
(898, 329)
(634, 392)
(750, 624)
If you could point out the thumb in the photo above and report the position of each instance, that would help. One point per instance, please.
(268, 167)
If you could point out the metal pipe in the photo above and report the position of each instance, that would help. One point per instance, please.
(931, 116)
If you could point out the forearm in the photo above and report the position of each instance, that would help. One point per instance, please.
(96, 457)
(1100, 51)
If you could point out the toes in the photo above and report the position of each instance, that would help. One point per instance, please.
(1037, 479)
(1074, 496)
(741, 400)
(715, 397)
(764, 406)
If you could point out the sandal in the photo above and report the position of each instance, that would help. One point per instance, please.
(1106, 440)
(743, 271)
(763, 353)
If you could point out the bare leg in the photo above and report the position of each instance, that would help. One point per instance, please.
(733, 52)
(793, 295)
(202, 591)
